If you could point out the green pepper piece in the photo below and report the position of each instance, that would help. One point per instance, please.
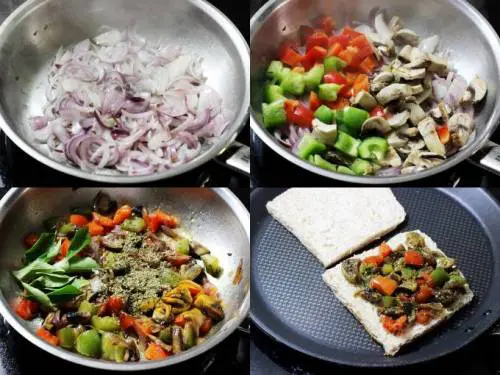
(374, 148)
(334, 64)
(87, 307)
(293, 84)
(182, 246)
(353, 118)
(322, 163)
(362, 167)
(135, 225)
(66, 337)
(188, 336)
(106, 323)
(212, 265)
(344, 170)
(347, 144)
(273, 93)
(274, 70)
(329, 91)
(285, 72)
(408, 273)
(40, 247)
(166, 335)
(274, 114)
(88, 344)
(324, 114)
(388, 301)
(387, 268)
(314, 76)
(455, 281)
(113, 347)
(66, 228)
(439, 276)
(171, 278)
(309, 146)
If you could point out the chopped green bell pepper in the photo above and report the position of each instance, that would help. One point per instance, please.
(309, 146)
(361, 167)
(314, 76)
(274, 114)
(333, 63)
(455, 281)
(347, 144)
(274, 70)
(273, 93)
(387, 268)
(322, 163)
(212, 265)
(408, 273)
(66, 228)
(374, 148)
(344, 170)
(329, 91)
(388, 301)
(113, 347)
(135, 224)
(439, 276)
(87, 307)
(106, 323)
(293, 84)
(66, 337)
(182, 246)
(89, 344)
(324, 114)
(353, 119)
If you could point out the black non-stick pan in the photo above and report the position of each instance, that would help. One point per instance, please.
(290, 301)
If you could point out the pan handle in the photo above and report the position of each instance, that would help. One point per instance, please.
(488, 157)
(237, 157)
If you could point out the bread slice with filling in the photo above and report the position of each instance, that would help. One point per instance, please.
(367, 313)
(333, 223)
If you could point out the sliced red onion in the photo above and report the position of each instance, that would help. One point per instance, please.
(38, 122)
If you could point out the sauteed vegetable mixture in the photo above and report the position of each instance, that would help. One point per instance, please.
(370, 100)
(118, 283)
(409, 285)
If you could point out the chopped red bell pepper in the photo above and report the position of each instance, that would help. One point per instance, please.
(351, 56)
(424, 294)
(326, 23)
(317, 39)
(374, 259)
(350, 32)
(365, 48)
(385, 249)
(414, 258)
(47, 336)
(334, 77)
(340, 103)
(335, 49)
(368, 64)
(305, 32)
(126, 320)
(30, 240)
(115, 304)
(394, 325)
(314, 102)
(298, 114)
(291, 57)
(444, 134)
(362, 83)
(384, 285)
(25, 308)
(314, 55)
(341, 39)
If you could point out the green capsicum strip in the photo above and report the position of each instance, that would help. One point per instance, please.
(273, 93)
(313, 77)
(322, 163)
(334, 64)
(274, 114)
(324, 114)
(309, 146)
(361, 167)
(293, 84)
(347, 144)
(374, 148)
(274, 70)
(353, 119)
(329, 91)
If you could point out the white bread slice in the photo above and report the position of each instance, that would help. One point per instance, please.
(367, 314)
(332, 223)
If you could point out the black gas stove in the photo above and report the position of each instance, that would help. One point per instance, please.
(231, 356)
(19, 169)
(265, 162)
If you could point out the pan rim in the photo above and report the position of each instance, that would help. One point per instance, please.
(456, 345)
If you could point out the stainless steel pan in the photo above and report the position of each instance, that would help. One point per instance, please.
(31, 35)
(474, 44)
(215, 218)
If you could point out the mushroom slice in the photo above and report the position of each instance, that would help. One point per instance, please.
(407, 131)
(416, 89)
(395, 24)
(468, 97)
(326, 133)
(412, 146)
(416, 64)
(413, 169)
(441, 112)
(460, 126)
(423, 159)
(409, 74)
(365, 100)
(429, 45)
(392, 159)
(424, 95)
(406, 36)
(417, 114)
(427, 128)
(437, 65)
(382, 29)
(399, 119)
(480, 88)
(396, 141)
(393, 92)
(412, 54)
(381, 80)
(377, 123)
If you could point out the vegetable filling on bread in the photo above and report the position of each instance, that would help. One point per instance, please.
(410, 284)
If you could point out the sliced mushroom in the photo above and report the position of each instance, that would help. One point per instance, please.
(406, 36)
(326, 133)
(480, 88)
(395, 64)
(409, 74)
(437, 65)
(383, 29)
(468, 97)
(413, 169)
(460, 126)
(399, 119)
(381, 81)
(427, 128)
(429, 44)
(365, 100)
(440, 113)
(384, 50)
(412, 146)
(392, 159)
(416, 64)
(407, 131)
(417, 114)
(393, 92)
(423, 159)
(378, 123)
(416, 89)
(424, 95)
(396, 141)
(395, 24)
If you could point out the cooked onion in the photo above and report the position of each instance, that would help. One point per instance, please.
(119, 104)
